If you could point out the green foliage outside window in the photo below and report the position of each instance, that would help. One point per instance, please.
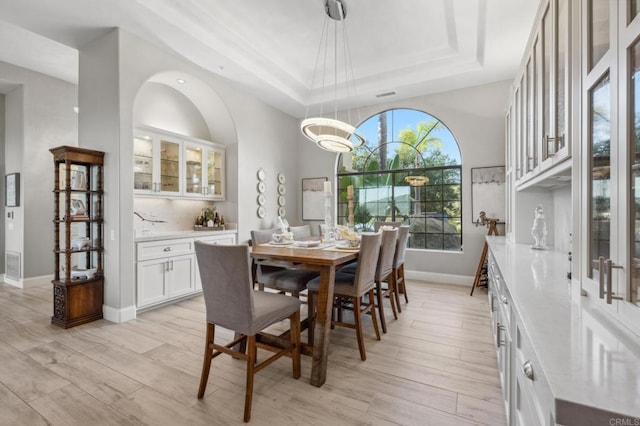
(379, 171)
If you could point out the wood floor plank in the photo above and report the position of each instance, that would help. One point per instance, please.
(24, 376)
(435, 366)
(71, 406)
(149, 407)
(97, 380)
(481, 411)
(407, 413)
(14, 411)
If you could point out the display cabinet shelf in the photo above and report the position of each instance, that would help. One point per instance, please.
(78, 284)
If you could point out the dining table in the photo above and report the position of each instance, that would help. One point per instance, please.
(325, 259)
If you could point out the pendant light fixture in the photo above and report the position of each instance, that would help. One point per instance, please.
(329, 133)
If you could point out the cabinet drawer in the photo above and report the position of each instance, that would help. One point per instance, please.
(164, 248)
(534, 385)
(228, 239)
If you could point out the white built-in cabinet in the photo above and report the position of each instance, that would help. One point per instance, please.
(169, 165)
(167, 269)
(574, 117)
(538, 117)
(611, 158)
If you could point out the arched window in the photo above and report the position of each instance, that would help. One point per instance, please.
(409, 171)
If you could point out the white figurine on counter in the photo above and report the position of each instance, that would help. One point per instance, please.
(539, 229)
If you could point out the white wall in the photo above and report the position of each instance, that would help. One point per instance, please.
(112, 71)
(39, 116)
(475, 116)
(160, 106)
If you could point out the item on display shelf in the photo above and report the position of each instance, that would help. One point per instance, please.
(78, 180)
(539, 229)
(77, 208)
(80, 243)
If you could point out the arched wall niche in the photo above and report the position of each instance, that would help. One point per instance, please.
(207, 103)
(192, 109)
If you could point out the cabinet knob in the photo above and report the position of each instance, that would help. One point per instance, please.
(527, 370)
(167, 249)
(505, 300)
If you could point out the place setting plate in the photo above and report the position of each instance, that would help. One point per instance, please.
(281, 243)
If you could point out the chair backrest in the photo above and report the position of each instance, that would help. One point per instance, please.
(365, 277)
(380, 223)
(302, 232)
(225, 272)
(387, 251)
(401, 245)
(263, 236)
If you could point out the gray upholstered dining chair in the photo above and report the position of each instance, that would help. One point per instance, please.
(353, 287)
(384, 268)
(398, 265)
(280, 276)
(231, 302)
(302, 232)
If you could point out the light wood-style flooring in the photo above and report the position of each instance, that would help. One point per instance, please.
(435, 366)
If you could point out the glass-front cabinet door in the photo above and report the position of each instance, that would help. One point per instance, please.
(215, 173)
(204, 170)
(193, 162)
(156, 163)
(171, 165)
(611, 116)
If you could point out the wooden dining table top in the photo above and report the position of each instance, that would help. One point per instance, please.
(311, 256)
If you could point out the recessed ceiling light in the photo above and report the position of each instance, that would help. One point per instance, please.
(181, 81)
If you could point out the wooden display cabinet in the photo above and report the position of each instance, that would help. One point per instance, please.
(78, 284)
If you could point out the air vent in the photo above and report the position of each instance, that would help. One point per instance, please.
(12, 265)
(385, 94)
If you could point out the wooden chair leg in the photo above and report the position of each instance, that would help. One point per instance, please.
(251, 363)
(311, 315)
(357, 314)
(404, 286)
(372, 305)
(208, 356)
(294, 324)
(392, 299)
(380, 306)
(396, 289)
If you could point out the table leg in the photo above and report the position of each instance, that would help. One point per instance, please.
(322, 326)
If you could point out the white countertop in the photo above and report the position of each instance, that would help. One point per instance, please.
(589, 359)
(169, 235)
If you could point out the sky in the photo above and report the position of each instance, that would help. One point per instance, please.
(408, 119)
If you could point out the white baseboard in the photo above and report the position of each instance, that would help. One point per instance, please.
(37, 281)
(435, 277)
(27, 282)
(118, 315)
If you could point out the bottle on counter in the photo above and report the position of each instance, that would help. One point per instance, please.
(216, 220)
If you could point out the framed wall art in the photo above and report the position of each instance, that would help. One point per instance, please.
(313, 198)
(488, 192)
